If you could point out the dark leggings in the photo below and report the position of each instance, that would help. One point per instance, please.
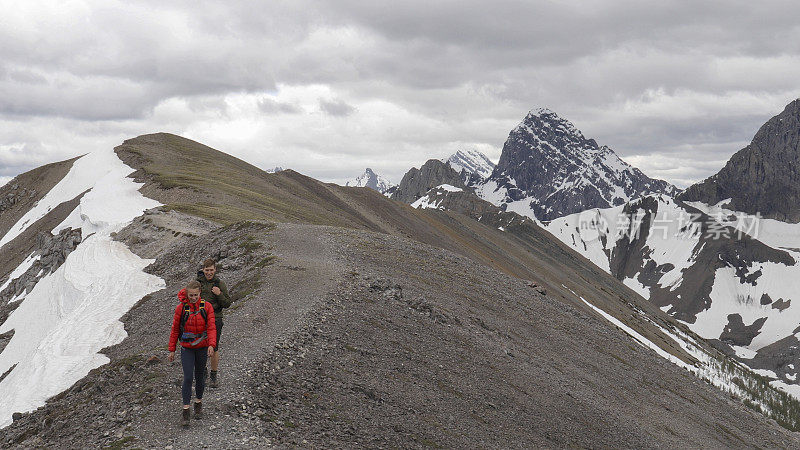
(193, 360)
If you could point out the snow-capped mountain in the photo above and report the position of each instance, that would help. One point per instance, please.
(548, 169)
(474, 166)
(371, 180)
(732, 276)
(275, 169)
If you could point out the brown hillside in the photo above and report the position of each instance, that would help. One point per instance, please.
(193, 178)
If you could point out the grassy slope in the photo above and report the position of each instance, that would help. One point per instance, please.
(199, 180)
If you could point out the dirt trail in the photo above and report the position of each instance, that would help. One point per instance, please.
(306, 269)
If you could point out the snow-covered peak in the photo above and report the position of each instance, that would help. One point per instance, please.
(473, 161)
(275, 169)
(551, 168)
(371, 180)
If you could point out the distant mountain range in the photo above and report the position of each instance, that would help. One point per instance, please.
(547, 169)
(720, 256)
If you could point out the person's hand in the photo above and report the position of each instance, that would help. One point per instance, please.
(171, 356)
(210, 351)
(216, 290)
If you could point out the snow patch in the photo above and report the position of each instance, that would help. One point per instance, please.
(73, 313)
(640, 289)
(449, 188)
(638, 337)
(744, 352)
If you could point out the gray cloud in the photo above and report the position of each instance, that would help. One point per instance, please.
(270, 106)
(336, 108)
(328, 88)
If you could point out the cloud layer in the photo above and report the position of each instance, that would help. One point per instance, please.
(328, 88)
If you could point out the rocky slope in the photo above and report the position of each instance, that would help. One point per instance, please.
(345, 344)
(549, 169)
(360, 321)
(763, 177)
(371, 180)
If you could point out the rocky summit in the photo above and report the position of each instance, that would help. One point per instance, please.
(549, 165)
(417, 182)
(763, 177)
(473, 165)
(371, 180)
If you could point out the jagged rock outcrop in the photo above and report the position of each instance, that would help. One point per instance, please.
(548, 163)
(416, 182)
(52, 251)
(763, 177)
(14, 197)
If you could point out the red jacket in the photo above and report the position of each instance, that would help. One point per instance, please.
(194, 324)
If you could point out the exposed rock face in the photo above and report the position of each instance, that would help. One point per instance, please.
(417, 182)
(737, 333)
(548, 162)
(52, 251)
(763, 177)
(633, 257)
(15, 196)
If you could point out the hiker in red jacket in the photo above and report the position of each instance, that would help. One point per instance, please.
(193, 324)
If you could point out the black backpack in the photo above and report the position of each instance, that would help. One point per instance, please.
(193, 338)
(214, 283)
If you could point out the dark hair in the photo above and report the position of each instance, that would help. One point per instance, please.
(194, 284)
(209, 263)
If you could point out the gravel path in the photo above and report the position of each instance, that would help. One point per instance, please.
(304, 272)
(357, 339)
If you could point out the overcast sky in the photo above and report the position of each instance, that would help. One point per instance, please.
(328, 88)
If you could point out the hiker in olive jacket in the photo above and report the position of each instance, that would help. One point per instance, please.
(214, 291)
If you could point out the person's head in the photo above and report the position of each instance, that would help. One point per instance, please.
(209, 268)
(193, 291)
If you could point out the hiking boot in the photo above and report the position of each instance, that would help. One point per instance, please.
(213, 379)
(185, 417)
(198, 410)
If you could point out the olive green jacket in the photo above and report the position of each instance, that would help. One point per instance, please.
(223, 300)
